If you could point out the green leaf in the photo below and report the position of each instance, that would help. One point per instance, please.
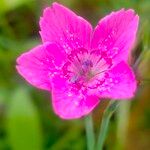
(23, 125)
(110, 109)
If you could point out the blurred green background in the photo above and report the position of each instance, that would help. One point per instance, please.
(27, 121)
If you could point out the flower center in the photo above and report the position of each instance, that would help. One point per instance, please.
(85, 69)
(83, 72)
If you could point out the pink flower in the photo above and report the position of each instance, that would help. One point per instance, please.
(79, 65)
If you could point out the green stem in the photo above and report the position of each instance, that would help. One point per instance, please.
(139, 59)
(105, 123)
(89, 132)
(122, 124)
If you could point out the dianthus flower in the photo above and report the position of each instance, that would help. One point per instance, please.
(80, 65)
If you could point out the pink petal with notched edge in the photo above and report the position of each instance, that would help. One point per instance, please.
(61, 25)
(120, 83)
(39, 64)
(71, 104)
(115, 34)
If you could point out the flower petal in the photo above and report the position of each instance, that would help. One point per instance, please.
(61, 25)
(39, 65)
(120, 83)
(115, 34)
(68, 104)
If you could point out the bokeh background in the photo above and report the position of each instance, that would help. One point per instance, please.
(27, 121)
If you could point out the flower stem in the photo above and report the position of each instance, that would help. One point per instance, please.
(105, 123)
(89, 132)
(122, 123)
